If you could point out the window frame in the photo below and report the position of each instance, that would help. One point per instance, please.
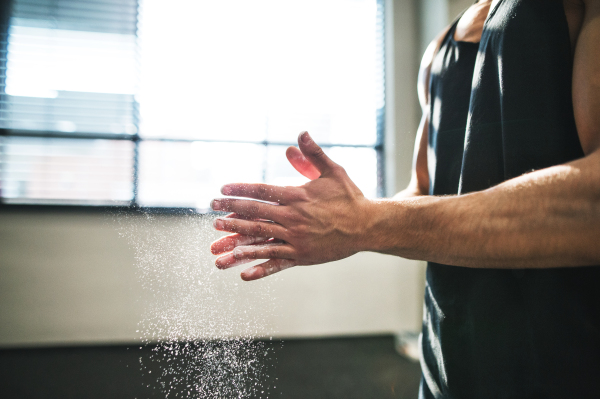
(5, 16)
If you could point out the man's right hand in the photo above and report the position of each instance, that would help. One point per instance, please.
(318, 222)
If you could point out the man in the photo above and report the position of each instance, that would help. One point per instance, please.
(512, 304)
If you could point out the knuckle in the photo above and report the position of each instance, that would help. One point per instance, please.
(318, 152)
(273, 253)
(230, 204)
(237, 253)
(298, 195)
(234, 226)
(253, 210)
(301, 230)
(257, 229)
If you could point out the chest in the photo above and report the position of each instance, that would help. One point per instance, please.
(470, 25)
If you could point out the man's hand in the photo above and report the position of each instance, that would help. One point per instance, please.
(318, 222)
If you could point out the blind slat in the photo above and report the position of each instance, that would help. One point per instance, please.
(73, 67)
(43, 57)
(99, 16)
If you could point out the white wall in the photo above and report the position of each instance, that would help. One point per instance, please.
(83, 277)
(435, 15)
(455, 7)
(86, 278)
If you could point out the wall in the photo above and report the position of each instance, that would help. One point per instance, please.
(455, 7)
(434, 15)
(81, 277)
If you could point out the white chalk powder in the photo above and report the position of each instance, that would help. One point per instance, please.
(202, 321)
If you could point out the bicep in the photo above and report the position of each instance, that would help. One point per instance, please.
(420, 174)
(425, 74)
(586, 79)
(420, 169)
(419, 180)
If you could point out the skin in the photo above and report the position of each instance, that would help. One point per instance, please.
(548, 218)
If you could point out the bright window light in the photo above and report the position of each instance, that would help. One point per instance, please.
(43, 61)
(184, 96)
(261, 69)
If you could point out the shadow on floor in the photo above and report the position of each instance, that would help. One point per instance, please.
(362, 368)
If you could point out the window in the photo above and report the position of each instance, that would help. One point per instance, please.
(158, 103)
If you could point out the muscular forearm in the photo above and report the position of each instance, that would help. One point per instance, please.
(548, 218)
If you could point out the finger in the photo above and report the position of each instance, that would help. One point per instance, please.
(228, 243)
(315, 154)
(301, 164)
(251, 228)
(266, 269)
(236, 216)
(266, 251)
(228, 261)
(248, 208)
(249, 253)
(260, 191)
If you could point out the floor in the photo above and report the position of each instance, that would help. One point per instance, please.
(366, 367)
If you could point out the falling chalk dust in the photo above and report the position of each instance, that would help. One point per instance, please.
(201, 322)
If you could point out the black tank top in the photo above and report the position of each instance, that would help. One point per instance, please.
(449, 94)
(497, 333)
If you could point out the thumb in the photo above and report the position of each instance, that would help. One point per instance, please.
(315, 154)
(301, 164)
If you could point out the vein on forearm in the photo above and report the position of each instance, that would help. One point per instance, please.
(548, 218)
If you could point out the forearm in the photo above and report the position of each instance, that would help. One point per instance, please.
(548, 218)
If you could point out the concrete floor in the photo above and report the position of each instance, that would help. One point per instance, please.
(366, 367)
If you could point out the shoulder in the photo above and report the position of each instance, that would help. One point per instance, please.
(470, 25)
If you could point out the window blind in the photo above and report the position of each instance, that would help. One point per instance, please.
(157, 104)
(71, 67)
(70, 74)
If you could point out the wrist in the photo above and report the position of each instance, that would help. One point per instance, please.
(400, 227)
(371, 224)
